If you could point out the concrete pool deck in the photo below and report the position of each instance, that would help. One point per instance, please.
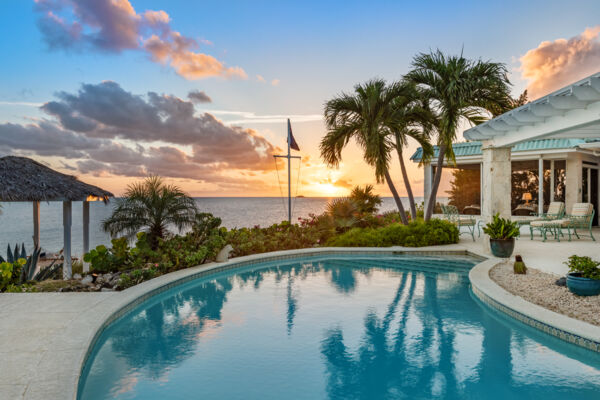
(46, 336)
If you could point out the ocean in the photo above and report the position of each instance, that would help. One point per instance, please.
(16, 220)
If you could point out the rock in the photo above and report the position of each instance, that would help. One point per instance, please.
(87, 280)
(99, 279)
(106, 290)
(561, 281)
(224, 253)
(77, 277)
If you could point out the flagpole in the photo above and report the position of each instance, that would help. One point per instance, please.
(289, 157)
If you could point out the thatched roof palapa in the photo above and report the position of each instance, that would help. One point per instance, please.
(23, 179)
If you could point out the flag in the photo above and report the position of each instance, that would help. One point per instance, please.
(291, 140)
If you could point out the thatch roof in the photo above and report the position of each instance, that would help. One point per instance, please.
(23, 179)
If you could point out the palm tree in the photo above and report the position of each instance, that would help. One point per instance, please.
(415, 121)
(151, 205)
(458, 90)
(365, 200)
(366, 116)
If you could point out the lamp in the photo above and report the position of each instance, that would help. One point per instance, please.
(527, 197)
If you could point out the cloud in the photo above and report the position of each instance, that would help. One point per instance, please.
(103, 129)
(260, 78)
(275, 82)
(246, 117)
(199, 96)
(114, 26)
(553, 65)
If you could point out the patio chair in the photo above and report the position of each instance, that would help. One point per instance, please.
(452, 215)
(581, 217)
(556, 210)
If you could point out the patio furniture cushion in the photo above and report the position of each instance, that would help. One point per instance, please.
(581, 209)
(556, 208)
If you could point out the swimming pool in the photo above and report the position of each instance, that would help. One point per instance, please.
(332, 327)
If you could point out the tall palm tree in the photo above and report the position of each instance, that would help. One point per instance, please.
(151, 205)
(366, 115)
(458, 90)
(415, 121)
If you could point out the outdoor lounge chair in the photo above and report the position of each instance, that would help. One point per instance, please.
(556, 210)
(452, 215)
(581, 217)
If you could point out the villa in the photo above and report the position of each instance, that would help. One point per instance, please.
(556, 136)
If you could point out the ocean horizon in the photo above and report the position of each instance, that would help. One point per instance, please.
(16, 220)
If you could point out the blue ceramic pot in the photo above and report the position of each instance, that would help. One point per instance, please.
(502, 248)
(582, 286)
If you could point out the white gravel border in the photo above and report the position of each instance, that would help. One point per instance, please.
(551, 322)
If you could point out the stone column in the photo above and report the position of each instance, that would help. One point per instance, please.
(427, 182)
(496, 182)
(573, 181)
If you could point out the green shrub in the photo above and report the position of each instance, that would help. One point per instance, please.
(501, 228)
(415, 234)
(587, 267)
(284, 236)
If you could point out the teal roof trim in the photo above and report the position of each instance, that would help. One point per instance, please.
(467, 149)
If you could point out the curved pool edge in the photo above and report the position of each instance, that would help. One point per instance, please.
(550, 322)
(121, 303)
(491, 294)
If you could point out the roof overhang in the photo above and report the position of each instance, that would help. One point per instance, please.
(571, 112)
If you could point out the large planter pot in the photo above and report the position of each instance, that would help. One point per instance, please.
(582, 286)
(502, 248)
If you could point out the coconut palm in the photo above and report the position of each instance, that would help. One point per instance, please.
(458, 90)
(366, 116)
(151, 205)
(415, 121)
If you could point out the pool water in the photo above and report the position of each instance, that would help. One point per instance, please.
(336, 327)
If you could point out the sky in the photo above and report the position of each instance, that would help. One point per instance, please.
(199, 92)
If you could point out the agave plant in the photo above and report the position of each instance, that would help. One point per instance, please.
(13, 255)
(29, 266)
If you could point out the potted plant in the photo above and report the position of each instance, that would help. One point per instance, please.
(584, 276)
(502, 233)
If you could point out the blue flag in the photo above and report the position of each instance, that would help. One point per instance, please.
(291, 140)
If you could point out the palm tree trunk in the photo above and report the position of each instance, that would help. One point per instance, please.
(409, 192)
(436, 182)
(388, 179)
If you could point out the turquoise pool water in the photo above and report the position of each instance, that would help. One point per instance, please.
(336, 327)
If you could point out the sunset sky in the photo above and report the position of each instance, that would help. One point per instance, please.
(199, 91)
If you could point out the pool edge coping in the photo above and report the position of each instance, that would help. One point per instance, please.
(569, 329)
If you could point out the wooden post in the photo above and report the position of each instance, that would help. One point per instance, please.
(36, 224)
(67, 219)
(86, 233)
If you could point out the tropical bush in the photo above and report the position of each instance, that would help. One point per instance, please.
(587, 267)
(415, 234)
(501, 228)
(144, 261)
(151, 206)
(284, 236)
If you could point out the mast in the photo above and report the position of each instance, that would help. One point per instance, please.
(289, 156)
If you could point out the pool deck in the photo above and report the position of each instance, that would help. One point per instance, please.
(46, 336)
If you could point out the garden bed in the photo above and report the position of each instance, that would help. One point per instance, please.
(539, 288)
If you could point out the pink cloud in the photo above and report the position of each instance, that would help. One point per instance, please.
(553, 65)
(115, 26)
